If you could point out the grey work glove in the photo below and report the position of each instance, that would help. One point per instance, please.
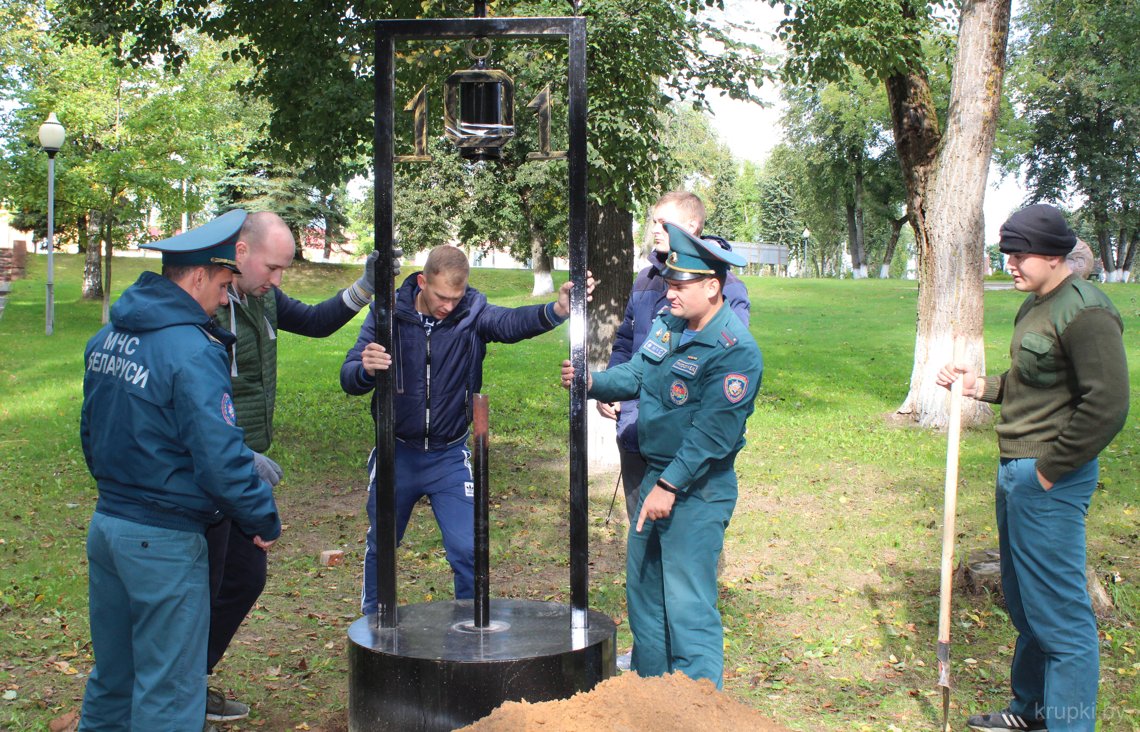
(367, 281)
(359, 293)
(269, 471)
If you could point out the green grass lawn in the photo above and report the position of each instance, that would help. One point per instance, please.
(830, 589)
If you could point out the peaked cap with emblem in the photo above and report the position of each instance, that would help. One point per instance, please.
(214, 242)
(691, 258)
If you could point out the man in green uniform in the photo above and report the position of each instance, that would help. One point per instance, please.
(1063, 399)
(696, 376)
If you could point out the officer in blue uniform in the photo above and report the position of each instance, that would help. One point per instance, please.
(696, 376)
(160, 439)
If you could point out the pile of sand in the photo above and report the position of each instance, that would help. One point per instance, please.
(630, 702)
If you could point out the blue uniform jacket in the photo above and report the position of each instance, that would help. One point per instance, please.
(695, 398)
(435, 376)
(645, 303)
(157, 423)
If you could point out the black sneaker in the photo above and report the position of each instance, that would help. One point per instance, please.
(1006, 721)
(221, 709)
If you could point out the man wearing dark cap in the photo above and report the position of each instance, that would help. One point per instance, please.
(255, 310)
(160, 438)
(1063, 399)
(696, 378)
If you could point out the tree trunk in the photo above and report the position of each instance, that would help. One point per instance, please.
(852, 245)
(540, 265)
(610, 257)
(299, 244)
(92, 262)
(328, 238)
(859, 242)
(108, 223)
(1121, 252)
(896, 230)
(540, 262)
(946, 180)
(1126, 266)
(1104, 241)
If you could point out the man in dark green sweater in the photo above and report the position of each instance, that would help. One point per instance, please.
(1063, 399)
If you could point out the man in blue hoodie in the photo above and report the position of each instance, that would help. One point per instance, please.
(160, 438)
(441, 328)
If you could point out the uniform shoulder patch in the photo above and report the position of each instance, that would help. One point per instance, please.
(728, 340)
(655, 349)
(735, 387)
(228, 413)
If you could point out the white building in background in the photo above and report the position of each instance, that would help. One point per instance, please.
(492, 259)
(762, 256)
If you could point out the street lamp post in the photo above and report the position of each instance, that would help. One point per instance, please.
(806, 235)
(51, 140)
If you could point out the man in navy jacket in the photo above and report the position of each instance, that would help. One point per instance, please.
(646, 301)
(441, 328)
(255, 310)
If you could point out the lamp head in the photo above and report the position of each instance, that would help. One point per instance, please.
(52, 135)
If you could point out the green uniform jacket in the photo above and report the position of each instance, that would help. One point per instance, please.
(695, 398)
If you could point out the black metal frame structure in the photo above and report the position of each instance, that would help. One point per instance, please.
(387, 33)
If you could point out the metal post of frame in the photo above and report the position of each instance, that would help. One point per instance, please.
(579, 504)
(385, 517)
(574, 29)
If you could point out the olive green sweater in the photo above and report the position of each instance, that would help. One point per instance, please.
(1065, 395)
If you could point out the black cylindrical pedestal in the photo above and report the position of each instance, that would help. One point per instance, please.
(436, 671)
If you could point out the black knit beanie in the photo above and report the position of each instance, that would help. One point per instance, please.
(1037, 229)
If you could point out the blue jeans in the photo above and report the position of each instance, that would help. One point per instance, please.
(444, 476)
(1056, 660)
(150, 612)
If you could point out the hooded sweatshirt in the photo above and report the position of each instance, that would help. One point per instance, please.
(157, 425)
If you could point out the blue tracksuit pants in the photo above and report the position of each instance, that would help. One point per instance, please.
(1042, 537)
(445, 477)
(150, 612)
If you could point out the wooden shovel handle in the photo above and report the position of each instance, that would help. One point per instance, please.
(950, 501)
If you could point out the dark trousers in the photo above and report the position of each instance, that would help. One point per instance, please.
(237, 577)
(632, 473)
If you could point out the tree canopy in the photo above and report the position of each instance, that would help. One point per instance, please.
(1075, 88)
(944, 161)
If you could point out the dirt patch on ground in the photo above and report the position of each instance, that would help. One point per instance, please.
(630, 702)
